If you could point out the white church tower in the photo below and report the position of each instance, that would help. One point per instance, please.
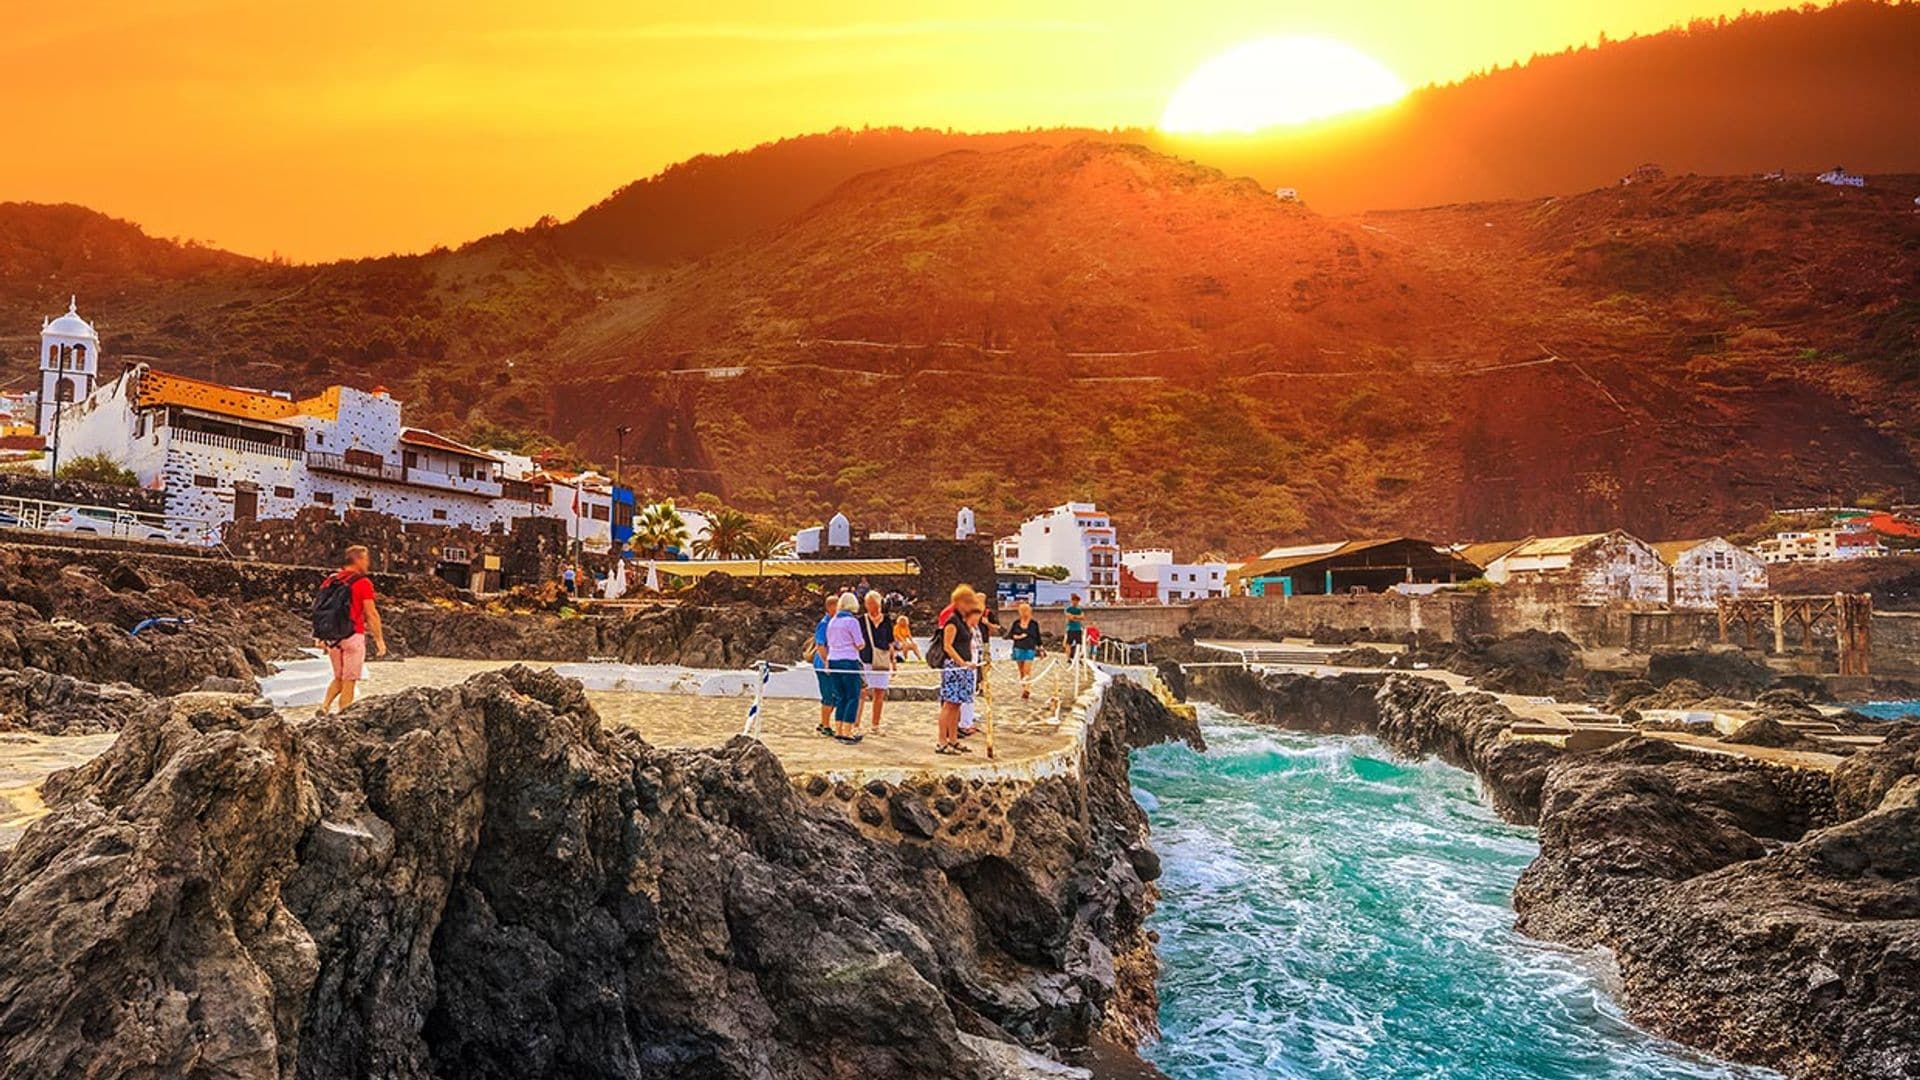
(69, 363)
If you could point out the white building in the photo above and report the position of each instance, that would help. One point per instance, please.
(224, 454)
(1006, 552)
(1820, 545)
(1700, 572)
(1592, 568)
(963, 524)
(1172, 582)
(583, 502)
(1079, 537)
(69, 362)
(1838, 176)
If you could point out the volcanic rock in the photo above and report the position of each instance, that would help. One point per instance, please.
(485, 882)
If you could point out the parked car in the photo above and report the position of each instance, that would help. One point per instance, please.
(99, 521)
(10, 521)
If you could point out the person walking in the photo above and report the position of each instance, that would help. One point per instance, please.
(844, 639)
(877, 654)
(343, 615)
(570, 581)
(1076, 626)
(958, 671)
(1025, 635)
(817, 652)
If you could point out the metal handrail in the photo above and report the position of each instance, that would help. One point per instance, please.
(36, 514)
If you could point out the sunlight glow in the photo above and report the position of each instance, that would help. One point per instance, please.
(1274, 81)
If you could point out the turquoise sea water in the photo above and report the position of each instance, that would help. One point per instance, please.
(1328, 912)
(1890, 710)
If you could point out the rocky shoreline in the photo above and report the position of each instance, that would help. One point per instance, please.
(486, 881)
(1766, 913)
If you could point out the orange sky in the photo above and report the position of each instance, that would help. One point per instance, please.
(355, 127)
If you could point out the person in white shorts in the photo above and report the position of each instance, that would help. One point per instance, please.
(879, 654)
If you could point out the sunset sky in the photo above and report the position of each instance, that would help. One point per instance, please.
(355, 127)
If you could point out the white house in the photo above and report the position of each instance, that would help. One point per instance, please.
(1700, 572)
(1079, 537)
(69, 362)
(223, 453)
(1170, 581)
(1006, 552)
(1838, 176)
(583, 502)
(1820, 545)
(1592, 568)
(963, 524)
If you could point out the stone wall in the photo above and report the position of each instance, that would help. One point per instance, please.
(943, 564)
(33, 486)
(1896, 644)
(533, 550)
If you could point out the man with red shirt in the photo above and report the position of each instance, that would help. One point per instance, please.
(349, 655)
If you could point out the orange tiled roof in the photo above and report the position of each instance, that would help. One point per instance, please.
(423, 437)
(164, 388)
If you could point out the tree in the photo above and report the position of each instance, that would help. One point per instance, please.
(98, 469)
(658, 530)
(728, 532)
(765, 543)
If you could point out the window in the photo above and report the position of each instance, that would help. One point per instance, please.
(441, 515)
(323, 498)
(79, 356)
(283, 493)
(319, 438)
(363, 503)
(597, 512)
(410, 459)
(201, 480)
(364, 458)
(466, 470)
(53, 355)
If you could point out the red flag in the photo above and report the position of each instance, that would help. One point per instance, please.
(576, 500)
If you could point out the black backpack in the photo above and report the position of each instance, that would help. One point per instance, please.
(333, 609)
(937, 648)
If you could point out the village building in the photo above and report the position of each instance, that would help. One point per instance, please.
(1151, 575)
(69, 363)
(592, 510)
(1821, 545)
(1591, 568)
(223, 453)
(1347, 566)
(1838, 176)
(1701, 572)
(1079, 537)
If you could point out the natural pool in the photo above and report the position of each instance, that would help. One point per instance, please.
(1329, 912)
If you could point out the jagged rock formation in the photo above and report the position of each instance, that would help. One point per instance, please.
(486, 882)
(1766, 913)
(35, 700)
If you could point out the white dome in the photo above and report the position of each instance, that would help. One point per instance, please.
(70, 324)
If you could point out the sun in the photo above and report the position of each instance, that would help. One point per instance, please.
(1281, 80)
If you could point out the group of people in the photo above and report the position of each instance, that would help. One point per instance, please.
(857, 646)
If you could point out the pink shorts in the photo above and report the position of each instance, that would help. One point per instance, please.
(349, 658)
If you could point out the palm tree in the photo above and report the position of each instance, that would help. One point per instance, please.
(658, 529)
(727, 534)
(765, 543)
